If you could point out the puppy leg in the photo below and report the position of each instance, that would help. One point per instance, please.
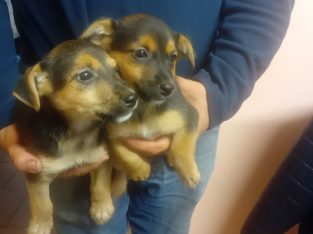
(119, 183)
(102, 207)
(41, 206)
(182, 156)
(136, 167)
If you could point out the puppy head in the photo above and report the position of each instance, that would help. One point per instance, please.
(78, 79)
(146, 52)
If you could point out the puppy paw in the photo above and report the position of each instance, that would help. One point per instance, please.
(186, 169)
(102, 211)
(140, 172)
(192, 178)
(40, 227)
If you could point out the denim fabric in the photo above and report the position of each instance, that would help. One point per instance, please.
(160, 205)
(116, 225)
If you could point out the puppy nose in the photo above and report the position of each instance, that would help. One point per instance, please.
(166, 89)
(131, 100)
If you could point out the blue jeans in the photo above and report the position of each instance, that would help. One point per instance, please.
(160, 205)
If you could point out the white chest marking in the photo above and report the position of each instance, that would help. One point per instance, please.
(72, 156)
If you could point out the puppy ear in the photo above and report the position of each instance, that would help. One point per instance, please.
(185, 48)
(98, 31)
(28, 87)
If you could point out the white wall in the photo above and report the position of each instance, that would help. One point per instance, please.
(253, 143)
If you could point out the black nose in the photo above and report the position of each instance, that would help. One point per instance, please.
(166, 89)
(131, 100)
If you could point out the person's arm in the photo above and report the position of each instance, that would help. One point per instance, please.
(249, 34)
(8, 79)
(8, 66)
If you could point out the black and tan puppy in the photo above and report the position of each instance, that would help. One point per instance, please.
(146, 52)
(68, 96)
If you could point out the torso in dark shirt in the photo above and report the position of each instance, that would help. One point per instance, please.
(43, 24)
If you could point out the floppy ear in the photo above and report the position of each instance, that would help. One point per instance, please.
(99, 32)
(28, 87)
(185, 48)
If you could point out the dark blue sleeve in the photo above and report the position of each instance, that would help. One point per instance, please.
(8, 66)
(249, 34)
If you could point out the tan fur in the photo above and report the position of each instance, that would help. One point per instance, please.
(41, 206)
(181, 156)
(185, 46)
(38, 188)
(136, 167)
(130, 72)
(32, 75)
(102, 207)
(170, 47)
(86, 59)
(111, 62)
(73, 102)
(152, 124)
(101, 27)
(81, 104)
(147, 41)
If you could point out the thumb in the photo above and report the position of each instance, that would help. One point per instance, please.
(23, 160)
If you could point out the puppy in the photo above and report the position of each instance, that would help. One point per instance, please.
(64, 101)
(146, 52)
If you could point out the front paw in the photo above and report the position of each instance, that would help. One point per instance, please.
(186, 169)
(101, 211)
(140, 172)
(191, 178)
(40, 227)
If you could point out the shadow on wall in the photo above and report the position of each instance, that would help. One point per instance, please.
(279, 143)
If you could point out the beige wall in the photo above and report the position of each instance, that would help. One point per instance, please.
(253, 143)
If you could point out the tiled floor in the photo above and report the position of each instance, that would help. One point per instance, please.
(14, 207)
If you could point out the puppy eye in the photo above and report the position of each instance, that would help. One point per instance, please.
(85, 76)
(173, 56)
(141, 53)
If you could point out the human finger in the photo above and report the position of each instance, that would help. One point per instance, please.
(146, 147)
(23, 160)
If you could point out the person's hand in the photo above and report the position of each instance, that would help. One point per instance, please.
(195, 94)
(23, 160)
(146, 147)
(27, 162)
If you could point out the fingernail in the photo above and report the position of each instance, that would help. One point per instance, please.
(32, 166)
(105, 157)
